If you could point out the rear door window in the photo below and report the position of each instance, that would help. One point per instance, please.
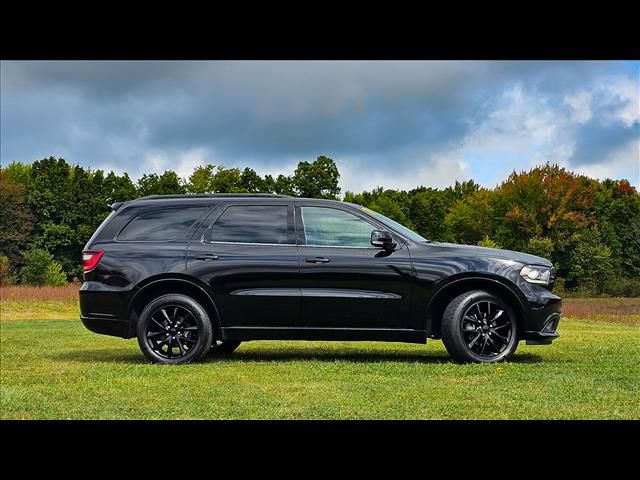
(162, 224)
(266, 224)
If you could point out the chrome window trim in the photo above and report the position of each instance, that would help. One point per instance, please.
(250, 243)
(202, 240)
(340, 246)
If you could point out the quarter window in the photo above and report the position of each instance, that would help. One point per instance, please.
(162, 224)
(251, 224)
(335, 228)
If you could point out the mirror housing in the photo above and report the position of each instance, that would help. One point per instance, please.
(382, 239)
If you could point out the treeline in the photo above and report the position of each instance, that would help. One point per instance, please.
(590, 229)
(50, 209)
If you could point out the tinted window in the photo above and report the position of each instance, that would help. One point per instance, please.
(251, 224)
(165, 224)
(333, 227)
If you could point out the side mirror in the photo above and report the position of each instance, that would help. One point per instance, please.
(382, 239)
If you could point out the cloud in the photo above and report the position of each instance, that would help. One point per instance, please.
(397, 123)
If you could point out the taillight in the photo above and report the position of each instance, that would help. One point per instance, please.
(90, 259)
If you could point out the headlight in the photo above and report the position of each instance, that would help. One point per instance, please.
(536, 274)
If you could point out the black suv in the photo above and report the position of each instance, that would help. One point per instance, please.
(192, 274)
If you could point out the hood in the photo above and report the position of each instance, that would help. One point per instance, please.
(473, 250)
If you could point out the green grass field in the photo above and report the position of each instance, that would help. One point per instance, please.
(55, 369)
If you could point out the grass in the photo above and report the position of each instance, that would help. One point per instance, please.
(24, 302)
(56, 369)
(66, 294)
(606, 309)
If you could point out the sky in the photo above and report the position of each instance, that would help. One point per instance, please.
(396, 124)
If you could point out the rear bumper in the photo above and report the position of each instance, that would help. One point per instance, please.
(104, 311)
(106, 325)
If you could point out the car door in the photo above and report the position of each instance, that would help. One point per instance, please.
(345, 282)
(247, 255)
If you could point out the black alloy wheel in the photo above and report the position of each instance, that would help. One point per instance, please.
(479, 327)
(172, 332)
(487, 329)
(174, 329)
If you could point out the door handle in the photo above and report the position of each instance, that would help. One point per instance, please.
(207, 256)
(317, 260)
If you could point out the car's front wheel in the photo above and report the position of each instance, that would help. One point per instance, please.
(479, 327)
(174, 329)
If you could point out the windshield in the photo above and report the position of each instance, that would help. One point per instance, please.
(396, 226)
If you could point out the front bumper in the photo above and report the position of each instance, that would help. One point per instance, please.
(548, 333)
(543, 317)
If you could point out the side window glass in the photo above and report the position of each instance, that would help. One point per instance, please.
(331, 227)
(161, 224)
(251, 224)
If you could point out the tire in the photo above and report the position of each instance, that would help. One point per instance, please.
(220, 348)
(174, 329)
(467, 331)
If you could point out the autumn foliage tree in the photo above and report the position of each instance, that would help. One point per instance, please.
(15, 216)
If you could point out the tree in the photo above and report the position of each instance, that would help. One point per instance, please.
(385, 205)
(166, 184)
(591, 267)
(617, 208)
(64, 242)
(54, 275)
(226, 180)
(82, 197)
(15, 216)
(427, 212)
(461, 190)
(6, 277)
(41, 269)
(545, 202)
(487, 242)
(251, 182)
(269, 184)
(48, 195)
(117, 188)
(542, 247)
(284, 186)
(316, 180)
(469, 220)
(19, 173)
(201, 180)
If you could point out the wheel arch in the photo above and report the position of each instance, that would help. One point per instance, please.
(443, 296)
(155, 287)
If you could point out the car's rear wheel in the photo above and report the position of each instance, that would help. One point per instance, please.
(174, 329)
(479, 327)
(218, 347)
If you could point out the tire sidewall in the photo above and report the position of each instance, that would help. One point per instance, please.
(454, 332)
(205, 329)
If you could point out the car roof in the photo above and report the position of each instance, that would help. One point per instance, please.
(179, 198)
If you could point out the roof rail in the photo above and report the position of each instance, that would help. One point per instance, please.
(213, 195)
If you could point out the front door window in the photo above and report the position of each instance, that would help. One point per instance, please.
(330, 227)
